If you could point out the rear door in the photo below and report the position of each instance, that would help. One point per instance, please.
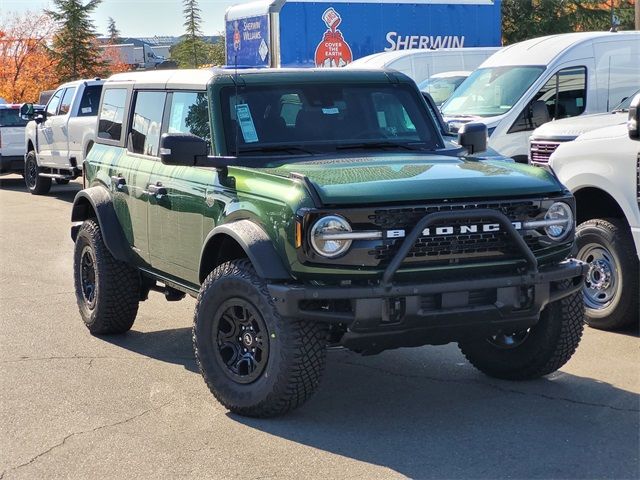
(82, 119)
(44, 130)
(176, 215)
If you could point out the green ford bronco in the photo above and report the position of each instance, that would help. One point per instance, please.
(307, 209)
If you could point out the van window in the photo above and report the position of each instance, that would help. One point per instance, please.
(563, 96)
(54, 102)
(190, 114)
(65, 104)
(491, 91)
(112, 114)
(90, 101)
(144, 136)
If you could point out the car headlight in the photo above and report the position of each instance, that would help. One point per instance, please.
(326, 236)
(559, 221)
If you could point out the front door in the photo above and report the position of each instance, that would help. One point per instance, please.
(44, 131)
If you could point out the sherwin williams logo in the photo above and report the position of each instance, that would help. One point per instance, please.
(332, 51)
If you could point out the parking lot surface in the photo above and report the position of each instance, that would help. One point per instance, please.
(135, 406)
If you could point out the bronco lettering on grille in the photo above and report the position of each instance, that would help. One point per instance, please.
(454, 230)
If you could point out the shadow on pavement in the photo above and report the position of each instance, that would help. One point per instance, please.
(171, 346)
(65, 193)
(426, 413)
(406, 412)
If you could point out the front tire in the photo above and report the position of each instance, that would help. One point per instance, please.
(254, 362)
(611, 286)
(107, 290)
(36, 184)
(535, 352)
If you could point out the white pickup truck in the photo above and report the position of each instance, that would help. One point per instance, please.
(59, 137)
(602, 169)
(11, 139)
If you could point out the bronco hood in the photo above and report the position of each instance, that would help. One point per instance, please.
(417, 177)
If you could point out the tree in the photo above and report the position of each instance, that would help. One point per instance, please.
(75, 46)
(208, 53)
(26, 66)
(192, 42)
(524, 19)
(114, 33)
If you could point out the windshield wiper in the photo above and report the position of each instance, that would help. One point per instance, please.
(276, 148)
(378, 145)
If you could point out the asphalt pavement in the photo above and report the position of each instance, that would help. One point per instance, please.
(134, 406)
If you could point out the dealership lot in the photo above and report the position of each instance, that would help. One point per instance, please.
(77, 406)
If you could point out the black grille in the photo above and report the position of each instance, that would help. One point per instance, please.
(455, 246)
(541, 151)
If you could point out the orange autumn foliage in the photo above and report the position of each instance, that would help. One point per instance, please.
(26, 67)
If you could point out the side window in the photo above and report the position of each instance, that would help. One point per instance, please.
(144, 136)
(90, 101)
(563, 96)
(112, 114)
(54, 102)
(190, 114)
(67, 98)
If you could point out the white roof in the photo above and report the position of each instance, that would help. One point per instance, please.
(380, 60)
(187, 78)
(543, 50)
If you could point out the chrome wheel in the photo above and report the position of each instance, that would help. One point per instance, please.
(602, 280)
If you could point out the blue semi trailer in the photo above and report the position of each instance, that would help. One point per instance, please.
(299, 33)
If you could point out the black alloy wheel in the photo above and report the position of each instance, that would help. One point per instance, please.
(88, 277)
(241, 336)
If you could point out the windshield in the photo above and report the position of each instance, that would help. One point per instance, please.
(441, 89)
(317, 118)
(625, 104)
(491, 91)
(10, 117)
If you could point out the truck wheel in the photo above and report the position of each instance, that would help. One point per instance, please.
(611, 285)
(36, 184)
(255, 363)
(107, 290)
(537, 351)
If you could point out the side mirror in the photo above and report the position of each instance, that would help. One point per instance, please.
(182, 149)
(27, 111)
(39, 118)
(473, 137)
(539, 113)
(633, 124)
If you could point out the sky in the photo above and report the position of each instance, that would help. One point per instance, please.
(139, 18)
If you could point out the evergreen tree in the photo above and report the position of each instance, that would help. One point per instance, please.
(114, 33)
(74, 45)
(192, 38)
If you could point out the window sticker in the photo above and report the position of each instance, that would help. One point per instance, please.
(246, 123)
(86, 109)
(330, 111)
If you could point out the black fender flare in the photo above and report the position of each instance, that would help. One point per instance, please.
(97, 201)
(256, 244)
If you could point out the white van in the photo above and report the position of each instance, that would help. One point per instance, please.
(420, 64)
(530, 83)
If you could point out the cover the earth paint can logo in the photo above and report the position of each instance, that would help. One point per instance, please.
(332, 51)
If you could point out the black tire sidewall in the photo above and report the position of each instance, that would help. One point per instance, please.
(227, 390)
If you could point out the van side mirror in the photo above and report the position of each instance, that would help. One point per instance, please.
(27, 111)
(182, 149)
(633, 124)
(473, 137)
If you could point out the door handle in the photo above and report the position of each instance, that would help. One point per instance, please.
(157, 189)
(118, 181)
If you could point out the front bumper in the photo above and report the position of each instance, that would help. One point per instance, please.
(379, 317)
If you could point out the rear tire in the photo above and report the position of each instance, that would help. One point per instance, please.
(107, 290)
(538, 351)
(36, 184)
(611, 286)
(254, 362)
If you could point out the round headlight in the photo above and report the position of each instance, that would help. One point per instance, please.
(560, 218)
(323, 231)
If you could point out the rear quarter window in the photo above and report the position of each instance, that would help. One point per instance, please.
(112, 114)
